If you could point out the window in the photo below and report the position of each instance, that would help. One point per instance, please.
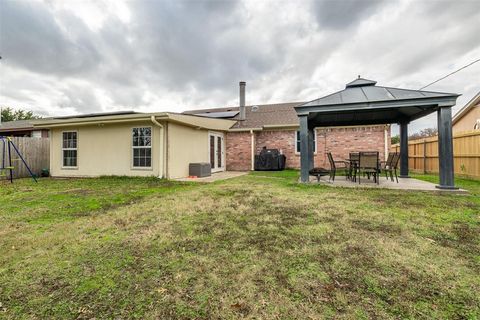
(69, 149)
(297, 140)
(142, 147)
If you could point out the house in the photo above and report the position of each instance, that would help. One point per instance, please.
(21, 128)
(468, 117)
(134, 144)
(276, 126)
(164, 144)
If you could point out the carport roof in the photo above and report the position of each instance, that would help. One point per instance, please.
(363, 102)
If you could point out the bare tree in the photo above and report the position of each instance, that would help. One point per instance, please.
(424, 133)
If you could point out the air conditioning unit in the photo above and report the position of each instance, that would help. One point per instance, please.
(200, 169)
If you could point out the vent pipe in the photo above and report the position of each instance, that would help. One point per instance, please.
(242, 100)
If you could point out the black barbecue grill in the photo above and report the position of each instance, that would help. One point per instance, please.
(270, 160)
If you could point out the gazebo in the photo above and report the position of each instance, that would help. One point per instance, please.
(362, 102)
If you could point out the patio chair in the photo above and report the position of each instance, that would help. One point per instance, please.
(392, 167)
(333, 167)
(352, 172)
(387, 163)
(368, 164)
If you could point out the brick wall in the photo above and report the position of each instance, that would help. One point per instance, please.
(339, 141)
(283, 140)
(238, 149)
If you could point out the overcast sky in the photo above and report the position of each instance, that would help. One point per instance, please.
(69, 57)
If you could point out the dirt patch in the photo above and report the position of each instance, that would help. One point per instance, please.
(240, 308)
(466, 233)
(374, 226)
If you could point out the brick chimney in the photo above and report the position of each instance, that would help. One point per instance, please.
(242, 100)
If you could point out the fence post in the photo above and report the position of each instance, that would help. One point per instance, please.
(424, 156)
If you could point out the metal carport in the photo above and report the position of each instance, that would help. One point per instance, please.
(362, 102)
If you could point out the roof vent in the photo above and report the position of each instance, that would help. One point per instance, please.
(360, 82)
(255, 108)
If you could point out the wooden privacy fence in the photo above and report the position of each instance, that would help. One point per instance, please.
(35, 151)
(423, 154)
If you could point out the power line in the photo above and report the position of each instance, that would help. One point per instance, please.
(448, 75)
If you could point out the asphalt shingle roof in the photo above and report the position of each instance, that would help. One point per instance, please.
(257, 116)
(16, 125)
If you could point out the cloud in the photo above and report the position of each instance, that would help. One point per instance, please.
(33, 40)
(72, 57)
(339, 15)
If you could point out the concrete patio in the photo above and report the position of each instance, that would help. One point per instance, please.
(223, 175)
(403, 184)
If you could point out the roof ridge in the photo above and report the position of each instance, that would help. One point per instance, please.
(386, 88)
(364, 94)
(331, 94)
(249, 105)
(437, 92)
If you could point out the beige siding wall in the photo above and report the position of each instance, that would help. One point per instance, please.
(467, 122)
(185, 145)
(104, 150)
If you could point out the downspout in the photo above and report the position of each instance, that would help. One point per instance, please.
(252, 146)
(162, 162)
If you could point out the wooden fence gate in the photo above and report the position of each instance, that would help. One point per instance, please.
(35, 151)
(423, 154)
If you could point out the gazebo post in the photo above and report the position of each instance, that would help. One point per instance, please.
(445, 148)
(310, 149)
(404, 149)
(304, 158)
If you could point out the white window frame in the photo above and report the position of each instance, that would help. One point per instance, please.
(296, 137)
(68, 149)
(141, 147)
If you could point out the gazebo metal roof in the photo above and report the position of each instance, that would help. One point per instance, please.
(363, 102)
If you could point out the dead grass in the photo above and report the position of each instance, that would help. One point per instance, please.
(250, 247)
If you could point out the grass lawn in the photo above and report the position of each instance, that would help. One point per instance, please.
(257, 246)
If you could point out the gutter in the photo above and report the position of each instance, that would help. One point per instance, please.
(88, 123)
(252, 146)
(244, 129)
(292, 125)
(129, 117)
(162, 162)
